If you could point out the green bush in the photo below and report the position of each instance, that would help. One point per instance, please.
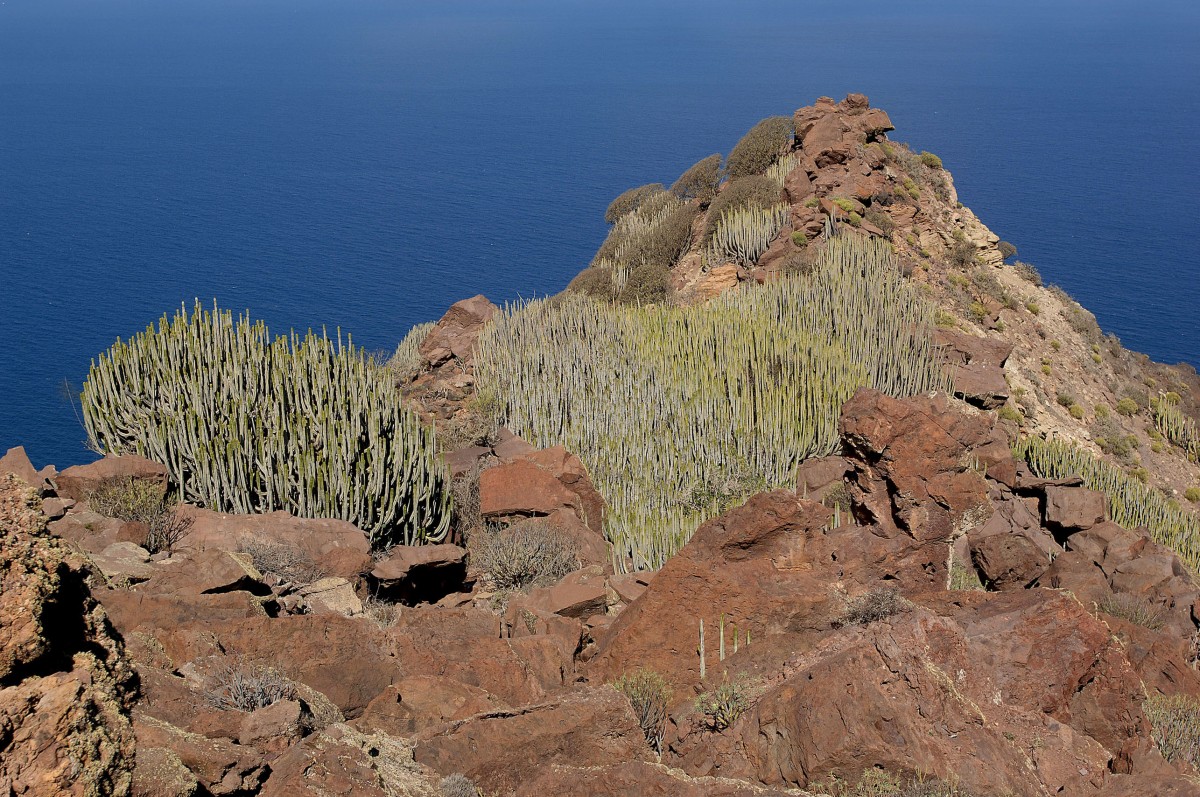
(246, 423)
(650, 697)
(1077, 412)
(1175, 725)
(646, 284)
(595, 281)
(674, 392)
(1065, 399)
(1033, 307)
(759, 148)
(930, 160)
(847, 205)
(724, 705)
(854, 219)
(1008, 413)
(1127, 407)
(1192, 494)
(1007, 250)
(700, 181)
(631, 200)
(743, 192)
(799, 238)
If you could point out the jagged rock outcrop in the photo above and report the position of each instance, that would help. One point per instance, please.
(66, 686)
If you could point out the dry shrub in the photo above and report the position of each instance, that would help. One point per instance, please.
(527, 554)
(760, 147)
(467, 429)
(142, 501)
(631, 200)
(700, 181)
(238, 686)
(288, 562)
(468, 518)
(384, 613)
(649, 696)
(872, 606)
(664, 245)
(595, 281)
(1134, 609)
(458, 785)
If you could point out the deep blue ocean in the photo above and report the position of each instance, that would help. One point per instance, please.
(362, 164)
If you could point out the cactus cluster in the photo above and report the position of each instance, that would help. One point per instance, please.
(780, 169)
(663, 403)
(1131, 503)
(653, 234)
(247, 423)
(1173, 424)
(743, 234)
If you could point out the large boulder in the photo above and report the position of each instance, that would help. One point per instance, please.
(455, 334)
(592, 727)
(333, 547)
(77, 481)
(976, 366)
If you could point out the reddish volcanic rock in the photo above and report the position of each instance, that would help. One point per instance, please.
(591, 727)
(455, 334)
(65, 682)
(76, 482)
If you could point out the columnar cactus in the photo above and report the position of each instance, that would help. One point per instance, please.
(678, 411)
(247, 423)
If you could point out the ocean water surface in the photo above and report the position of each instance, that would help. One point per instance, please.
(363, 164)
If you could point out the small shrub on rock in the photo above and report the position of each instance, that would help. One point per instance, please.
(722, 706)
(877, 604)
(1175, 725)
(700, 181)
(1007, 250)
(525, 555)
(249, 687)
(649, 696)
(930, 160)
(595, 281)
(631, 200)
(458, 785)
(1192, 494)
(288, 562)
(962, 254)
(142, 501)
(877, 218)
(759, 148)
(1127, 407)
(1028, 272)
(1134, 609)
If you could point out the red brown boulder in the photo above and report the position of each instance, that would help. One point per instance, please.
(76, 482)
(455, 334)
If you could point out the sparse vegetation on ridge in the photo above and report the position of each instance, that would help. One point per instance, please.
(1131, 502)
(679, 398)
